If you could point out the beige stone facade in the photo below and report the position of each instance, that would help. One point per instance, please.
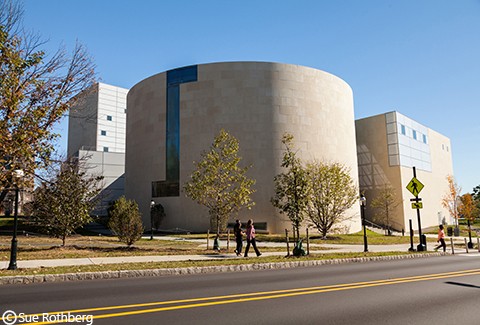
(388, 146)
(256, 102)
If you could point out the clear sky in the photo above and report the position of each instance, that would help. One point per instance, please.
(418, 57)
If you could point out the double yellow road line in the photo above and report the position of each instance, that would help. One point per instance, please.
(230, 299)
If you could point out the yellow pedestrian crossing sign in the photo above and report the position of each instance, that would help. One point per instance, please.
(418, 205)
(415, 187)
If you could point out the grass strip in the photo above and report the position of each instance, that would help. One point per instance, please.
(181, 264)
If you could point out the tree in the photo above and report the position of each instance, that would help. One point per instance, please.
(476, 193)
(451, 197)
(219, 184)
(35, 93)
(476, 198)
(333, 192)
(386, 204)
(467, 208)
(125, 221)
(63, 204)
(292, 187)
(157, 213)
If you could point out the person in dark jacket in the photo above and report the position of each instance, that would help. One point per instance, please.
(237, 230)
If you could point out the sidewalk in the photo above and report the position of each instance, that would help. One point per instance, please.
(332, 248)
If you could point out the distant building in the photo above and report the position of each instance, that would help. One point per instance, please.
(96, 131)
(388, 147)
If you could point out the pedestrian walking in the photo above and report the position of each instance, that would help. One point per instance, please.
(441, 238)
(237, 230)
(251, 238)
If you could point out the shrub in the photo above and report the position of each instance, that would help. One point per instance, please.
(125, 221)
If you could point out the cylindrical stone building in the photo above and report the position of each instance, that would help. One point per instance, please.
(172, 117)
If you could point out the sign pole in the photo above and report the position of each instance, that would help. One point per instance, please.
(422, 246)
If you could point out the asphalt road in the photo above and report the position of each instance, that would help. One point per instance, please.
(439, 290)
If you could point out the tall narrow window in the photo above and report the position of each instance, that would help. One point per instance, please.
(415, 134)
(424, 138)
(171, 185)
(403, 129)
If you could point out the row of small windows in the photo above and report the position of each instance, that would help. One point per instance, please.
(443, 147)
(415, 135)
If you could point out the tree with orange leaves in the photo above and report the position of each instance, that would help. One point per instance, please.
(451, 197)
(467, 207)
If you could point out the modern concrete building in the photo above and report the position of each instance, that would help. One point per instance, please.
(389, 146)
(96, 132)
(173, 116)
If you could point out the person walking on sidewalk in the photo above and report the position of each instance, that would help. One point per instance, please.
(237, 230)
(441, 238)
(251, 238)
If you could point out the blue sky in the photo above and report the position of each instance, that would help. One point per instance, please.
(418, 57)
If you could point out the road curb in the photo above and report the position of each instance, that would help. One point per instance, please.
(27, 279)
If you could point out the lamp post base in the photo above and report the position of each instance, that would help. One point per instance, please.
(13, 255)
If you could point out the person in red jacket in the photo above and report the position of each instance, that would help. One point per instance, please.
(251, 238)
(441, 238)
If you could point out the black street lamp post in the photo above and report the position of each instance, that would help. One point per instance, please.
(13, 250)
(363, 203)
(152, 205)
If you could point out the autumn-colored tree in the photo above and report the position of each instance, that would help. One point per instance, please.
(35, 93)
(467, 208)
(219, 183)
(125, 221)
(451, 198)
(333, 192)
(63, 204)
(386, 204)
(291, 187)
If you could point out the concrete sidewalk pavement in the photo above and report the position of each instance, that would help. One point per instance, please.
(314, 249)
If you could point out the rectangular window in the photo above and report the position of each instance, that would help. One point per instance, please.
(103, 132)
(414, 134)
(424, 138)
(403, 129)
(109, 118)
(105, 149)
(447, 148)
(443, 147)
